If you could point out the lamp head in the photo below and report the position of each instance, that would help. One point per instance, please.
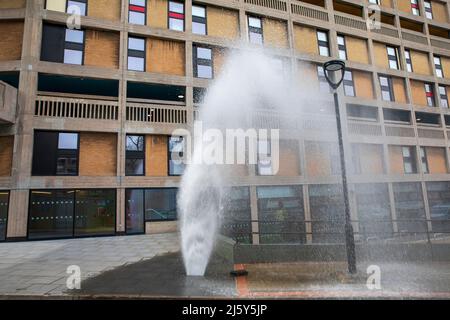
(334, 72)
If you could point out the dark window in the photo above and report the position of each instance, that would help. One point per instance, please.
(176, 15)
(255, 30)
(281, 214)
(374, 211)
(176, 156)
(392, 57)
(387, 91)
(4, 205)
(423, 160)
(410, 209)
(95, 212)
(327, 213)
(428, 9)
(342, 47)
(439, 203)
(447, 120)
(409, 66)
(362, 112)
(199, 19)
(136, 54)
(135, 155)
(134, 211)
(55, 153)
(137, 11)
(443, 96)
(149, 205)
(51, 214)
(199, 95)
(322, 40)
(438, 67)
(349, 86)
(77, 7)
(237, 215)
(427, 118)
(203, 63)
(391, 115)
(53, 40)
(429, 92)
(409, 160)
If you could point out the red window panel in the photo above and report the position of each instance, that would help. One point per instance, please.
(137, 8)
(176, 15)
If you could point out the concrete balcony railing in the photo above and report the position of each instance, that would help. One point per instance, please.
(8, 103)
(155, 113)
(76, 108)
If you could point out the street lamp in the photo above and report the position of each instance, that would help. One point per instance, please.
(334, 73)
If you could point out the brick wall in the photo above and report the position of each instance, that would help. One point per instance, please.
(102, 49)
(12, 4)
(305, 39)
(105, 9)
(156, 158)
(275, 33)
(98, 154)
(167, 57)
(11, 40)
(6, 154)
(222, 23)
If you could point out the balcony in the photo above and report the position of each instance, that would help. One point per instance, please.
(8, 103)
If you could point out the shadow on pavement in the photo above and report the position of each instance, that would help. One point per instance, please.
(162, 276)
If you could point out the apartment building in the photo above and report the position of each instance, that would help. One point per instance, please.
(86, 115)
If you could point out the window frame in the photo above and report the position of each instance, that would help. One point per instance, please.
(82, 1)
(136, 7)
(443, 97)
(57, 153)
(409, 66)
(424, 160)
(415, 9)
(390, 87)
(7, 215)
(349, 83)
(202, 62)
(169, 155)
(322, 43)
(322, 80)
(174, 14)
(438, 66)
(342, 48)
(144, 53)
(74, 46)
(411, 159)
(429, 94)
(203, 20)
(393, 58)
(428, 9)
(256, 30)
(135, 155)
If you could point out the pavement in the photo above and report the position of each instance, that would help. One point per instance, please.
(151, 266)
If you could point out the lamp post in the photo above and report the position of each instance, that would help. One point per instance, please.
(334, 73)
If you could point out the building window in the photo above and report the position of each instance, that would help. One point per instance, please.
(323, 83)
(144, 205)
(322, 40)
(423, 160)
(176, 15)
(443, 96)
(137, 12)
(176, 156)
(375, 2)
(428, 9)
(55, 154)
(438, 67)
(68, 213)
(409, 66)
(199, 19)
(74, 47)
(203, 67)
(387, 92)
(135, 156)
(255, 31)
(136, 54)
(4, 205)
(392, 57)
(409, 160)
(342, 47)
(429, 94)
(264, 158)
(349, 86)
(77, 7)
(415, 7)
